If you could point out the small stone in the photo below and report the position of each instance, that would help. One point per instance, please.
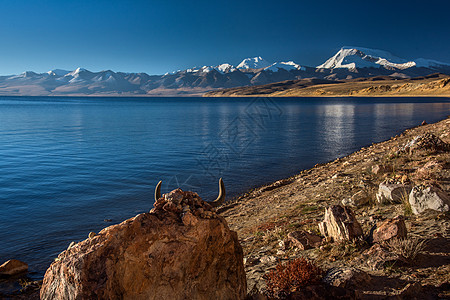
(269, 259)
(381, 169)
(404, 179)
(71, 245)
(176, 196)
(281, 252)
(378, 257)
(189, 219)
(349, 278)
(388, 229)
(424, 197)
(358, 199)
(304, 240)
(13, 267)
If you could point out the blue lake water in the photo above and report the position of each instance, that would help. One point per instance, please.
(69, 164)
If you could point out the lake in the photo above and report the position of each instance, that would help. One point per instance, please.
(74, 165)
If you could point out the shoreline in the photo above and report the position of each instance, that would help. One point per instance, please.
(264, 216)
(280, 202)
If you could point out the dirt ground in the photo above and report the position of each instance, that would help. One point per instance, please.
(264, 216)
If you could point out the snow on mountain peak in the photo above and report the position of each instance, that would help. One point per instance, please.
(253, 63)
(288, 65)
(358, 57)
(76, 72)
(57, 72)
(225, 68)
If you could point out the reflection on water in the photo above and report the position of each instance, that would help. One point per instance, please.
(337, 125)
(69, 163)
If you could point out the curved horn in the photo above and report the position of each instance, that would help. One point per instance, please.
(158, 191)
(221, 198)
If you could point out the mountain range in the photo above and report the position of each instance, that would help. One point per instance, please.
(347, 63)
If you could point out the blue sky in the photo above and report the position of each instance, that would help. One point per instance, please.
(160, 36)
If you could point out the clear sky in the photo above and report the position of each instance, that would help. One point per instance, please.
(156, 36)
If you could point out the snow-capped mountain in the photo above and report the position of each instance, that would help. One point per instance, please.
(289, 65)
(225, 68)
(57, 72)
(253, 63)
(347, 63)
(353, 58)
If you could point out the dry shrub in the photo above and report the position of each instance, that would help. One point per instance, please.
(407, 248)
(291, 276)
(347, 249)
(271, 225)
(276, 234)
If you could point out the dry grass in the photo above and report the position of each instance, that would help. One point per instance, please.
(407, 248)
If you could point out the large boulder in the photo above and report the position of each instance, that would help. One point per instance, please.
(13, 267)
(181, 249)
(392, 192)
(340, 224)
(424, 197)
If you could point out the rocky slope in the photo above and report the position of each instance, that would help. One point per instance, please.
(431, 85)
(280, 222)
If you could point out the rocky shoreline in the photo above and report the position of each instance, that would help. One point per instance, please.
(354, 217)
(273, 222)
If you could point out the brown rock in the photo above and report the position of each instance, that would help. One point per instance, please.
(340, 224)
(13, 267)
(164, 254)
(304, 240)
(428, 170)
(388, 229)
(346, 278)
(377, 257)
(358, 199)
(381, 169)
(427, 141)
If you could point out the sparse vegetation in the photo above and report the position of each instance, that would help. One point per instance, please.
(407, 248)
(407, 210)
(346, 249)
(299, 206)
(291, 276)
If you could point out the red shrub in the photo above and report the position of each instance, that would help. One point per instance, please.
(289, 277)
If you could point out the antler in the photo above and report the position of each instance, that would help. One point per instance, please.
(220, 199)
(158, 191)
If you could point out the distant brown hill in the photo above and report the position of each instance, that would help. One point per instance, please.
(431, 85)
